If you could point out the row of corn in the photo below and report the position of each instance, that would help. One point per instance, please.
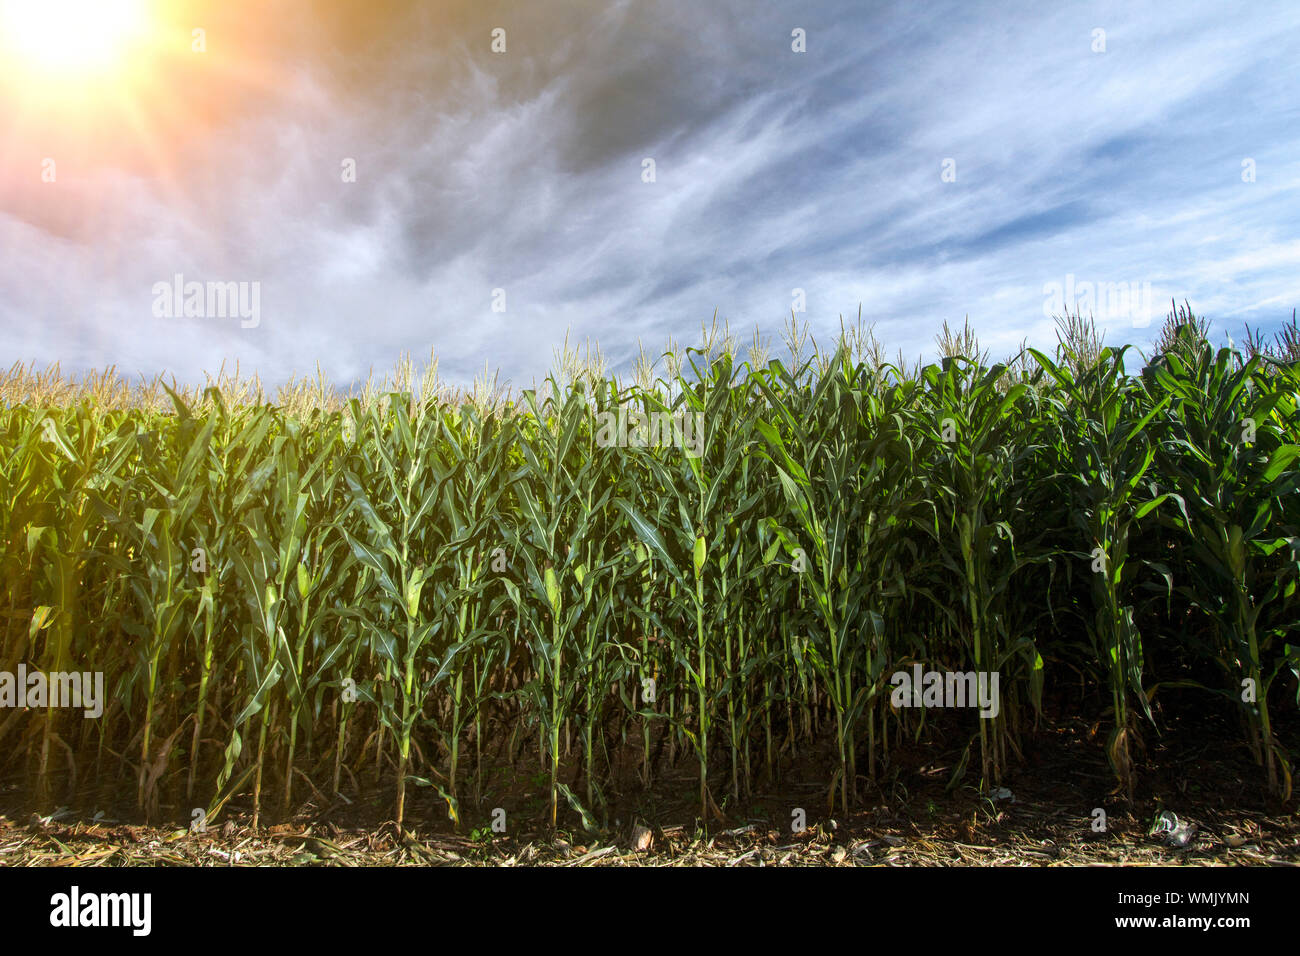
(726, 567)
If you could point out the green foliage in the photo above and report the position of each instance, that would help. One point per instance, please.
(383, 586)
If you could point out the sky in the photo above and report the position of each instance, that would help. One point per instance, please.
(484, 179)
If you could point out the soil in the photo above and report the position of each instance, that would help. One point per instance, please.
(1044, 814)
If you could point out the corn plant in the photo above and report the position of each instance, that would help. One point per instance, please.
(1111, 454)
(969, 430)
(347, 594)
(1232, 467)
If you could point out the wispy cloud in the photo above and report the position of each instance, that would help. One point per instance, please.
(774, 170)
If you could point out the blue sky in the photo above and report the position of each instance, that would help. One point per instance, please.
(775, 170)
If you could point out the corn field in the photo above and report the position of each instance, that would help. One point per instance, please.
(718, 568)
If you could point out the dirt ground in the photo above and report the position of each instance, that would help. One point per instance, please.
(1044, 815)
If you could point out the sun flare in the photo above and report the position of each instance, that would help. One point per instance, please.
(65, 37)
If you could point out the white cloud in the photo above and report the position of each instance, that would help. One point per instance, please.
(820, 173)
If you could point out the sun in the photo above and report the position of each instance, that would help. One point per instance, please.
(70, 37)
